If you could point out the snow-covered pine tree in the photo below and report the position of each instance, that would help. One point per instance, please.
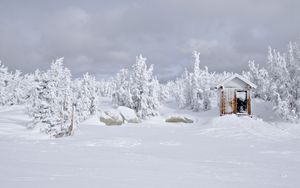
(14, 86)
(137, 88)
(280, 82)
(121, 95)
(178, 89)
(200, 86)
(85, 96)
(144, 88)
(164, 92)
(260, 77)
(283, 108)
(293, 66)
(196, 87)
(52, 105)
(104, 88)
(19, 88)
(207, 84)
(5, 80)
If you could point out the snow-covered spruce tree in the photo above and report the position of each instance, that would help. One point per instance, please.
(184, 90)
(85, 96)
(283, 109)
(104, 88)
(14, 86)
(51, 102)
(5, 79)
(293, 65)
(19, 88)
(164, 92)
(144, 88)
(137, 88)
(260, 77)
(201, 84)
(280, 81)
(194, 88)
(177, 93)
(121, 95)
(280, 84)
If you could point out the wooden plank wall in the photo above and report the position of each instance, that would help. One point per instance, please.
(233, 103)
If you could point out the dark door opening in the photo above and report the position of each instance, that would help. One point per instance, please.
(241, 102)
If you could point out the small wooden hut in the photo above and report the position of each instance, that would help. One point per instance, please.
(235, 95)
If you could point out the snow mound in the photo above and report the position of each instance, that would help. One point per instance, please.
(178, 119)
(128, 114)
(111, 117)
(243, 126)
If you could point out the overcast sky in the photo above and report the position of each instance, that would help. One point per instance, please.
(103, 36)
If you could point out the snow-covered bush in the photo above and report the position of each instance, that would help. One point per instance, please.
(137, 89)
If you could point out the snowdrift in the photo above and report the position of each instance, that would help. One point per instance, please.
(244, 126)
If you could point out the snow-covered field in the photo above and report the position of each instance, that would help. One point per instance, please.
(213, 151)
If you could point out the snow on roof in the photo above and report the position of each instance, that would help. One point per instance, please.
(231, 78)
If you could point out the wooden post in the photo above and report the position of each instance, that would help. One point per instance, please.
(234, 102)
(249, 101)
(222, 103)
(71, 127)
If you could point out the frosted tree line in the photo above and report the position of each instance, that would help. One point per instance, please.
(14, 86)
(279, 81)
(195, 89)
(57, 103)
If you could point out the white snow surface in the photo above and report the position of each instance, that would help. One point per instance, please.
(212, 152)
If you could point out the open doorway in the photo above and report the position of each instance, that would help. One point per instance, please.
(241, 102)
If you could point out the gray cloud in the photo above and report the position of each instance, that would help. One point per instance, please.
(103, 36)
